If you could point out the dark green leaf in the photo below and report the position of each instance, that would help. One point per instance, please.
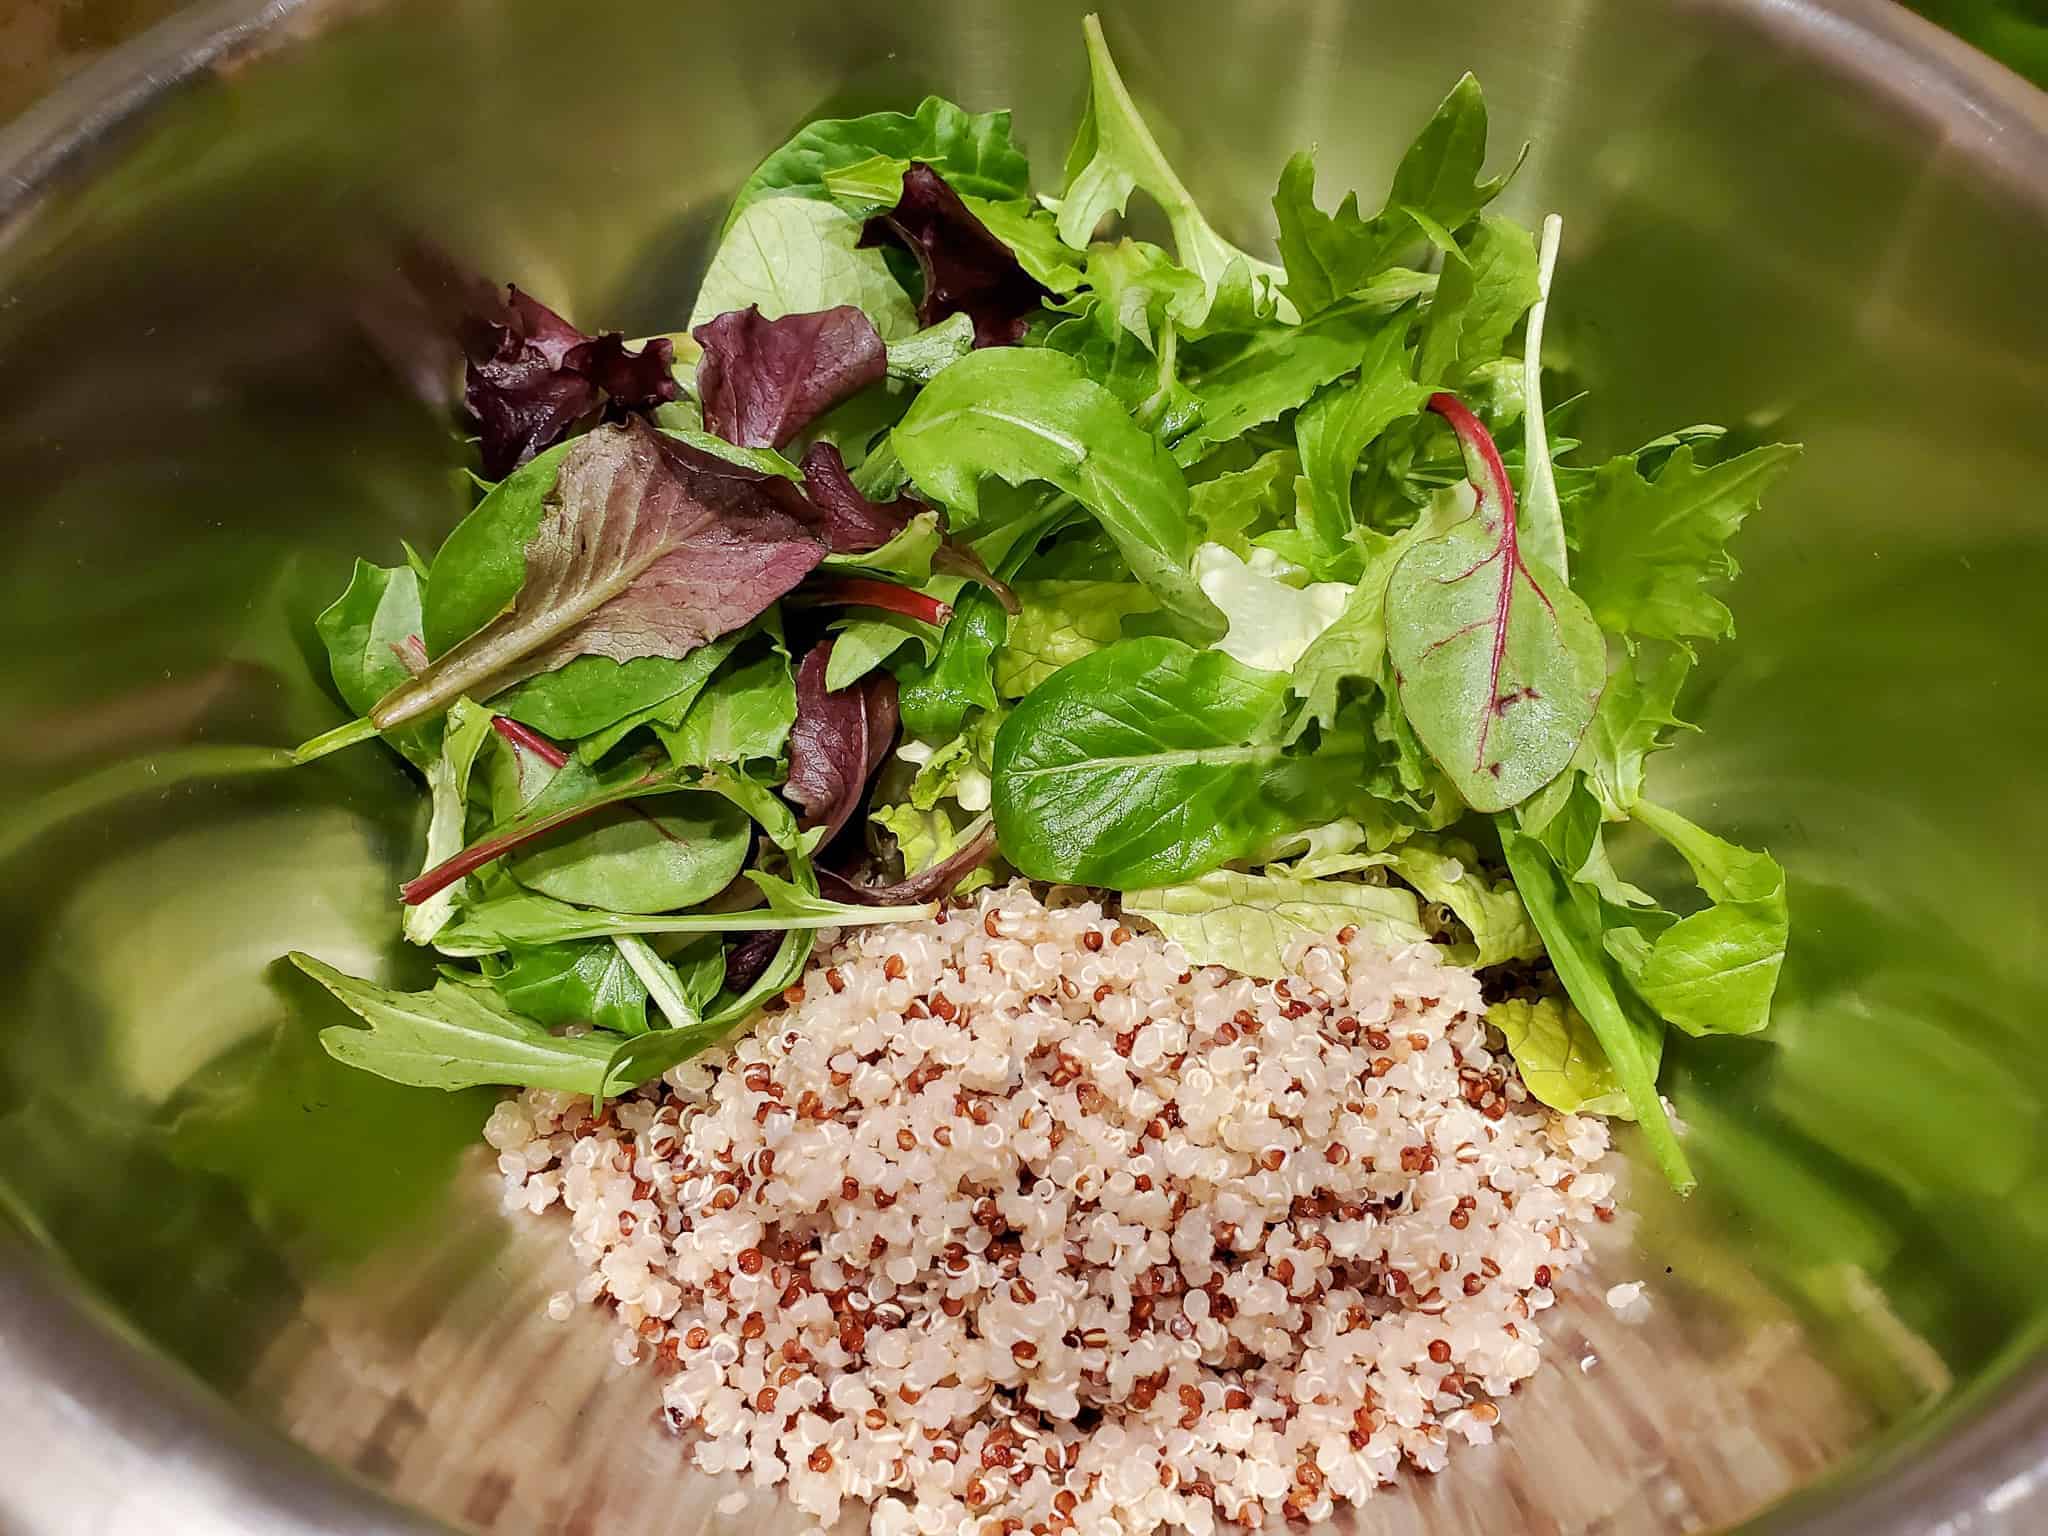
(1024, 414)
(935, 698)
(588, 983)
(641, 858)
(373, 637)
(1150, 762)
(743, 717)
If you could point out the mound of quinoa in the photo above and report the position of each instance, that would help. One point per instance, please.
(1014, 1221)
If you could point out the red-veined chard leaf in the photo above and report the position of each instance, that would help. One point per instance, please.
(646, 547)
(1498, 664)
(763, 381)
(967, 270)
(532, 376)
(839, 739)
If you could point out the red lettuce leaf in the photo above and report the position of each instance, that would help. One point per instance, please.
(926, 885)
(646, 547)
(532, 376)
(851, 523)
(838, 740)
(966, 269)
(763, 381)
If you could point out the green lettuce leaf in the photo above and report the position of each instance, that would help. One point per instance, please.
(793, 256)
(1249, 921)
(1447, 870)
(1646, 551)
(1560, 1060)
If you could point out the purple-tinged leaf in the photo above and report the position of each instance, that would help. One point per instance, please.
(532, 376)
(763, 381)
(967, 270)
(851, 523)
(747, 960)
(1498, 664)
(927, 884)
(839, 739)
(646, 547)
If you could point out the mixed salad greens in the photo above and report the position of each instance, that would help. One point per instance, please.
(963, 534)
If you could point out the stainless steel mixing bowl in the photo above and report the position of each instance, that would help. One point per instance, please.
(242, 1290)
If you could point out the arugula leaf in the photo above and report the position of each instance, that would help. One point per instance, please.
(1712, 973)
(1560, 1059)
(1333, 430)
(1446, 870)
(557, 984)
(630, 858)
(504, 922)
(935, 698)
(1061, 622)
(1569, 916)
(1242, 379)
(372, 634)
(1646, 549)
(455, 1036)
(793, 256)
(1024, 414)
(647, 548)
(468, 727)
(1499, 665)
(971, 150)
(923, 357)
(1150, 762)
(1249, 921)
(1436, 187)
(1114, 154)
(743, 717)
(1481, 296)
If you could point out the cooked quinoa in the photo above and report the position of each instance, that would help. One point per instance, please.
(1013, 1221)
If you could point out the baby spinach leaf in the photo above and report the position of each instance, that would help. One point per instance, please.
(1560, 1059)
(1713, 973)
(1483, 293)
(631, 858)
(1499, 665)
(372, 634)
(1646, 550)
(481, 566)
(1436, 186)
(743, 717)
(1332, 431)
(1025, 414)
(468, 727)
(455, 1036)
(793, 256)
(685, 682)
(1250, 921)
(586, 983)
(1061, 622)
(971, 150)
(763, 381)
(647, 548)
(935, 698)
(1150, 762)
(966, 269)
(1569, 916)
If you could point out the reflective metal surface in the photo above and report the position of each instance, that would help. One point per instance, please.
(218, 381)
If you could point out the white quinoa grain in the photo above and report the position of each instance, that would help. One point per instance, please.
(987, 1178)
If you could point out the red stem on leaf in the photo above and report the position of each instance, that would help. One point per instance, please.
(1482, 459)
(527, 739)
(477, 855)
(860, 592)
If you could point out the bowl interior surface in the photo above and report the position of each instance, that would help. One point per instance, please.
(223, 382)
